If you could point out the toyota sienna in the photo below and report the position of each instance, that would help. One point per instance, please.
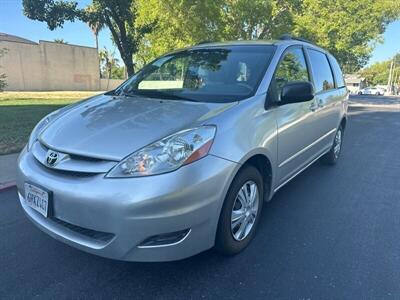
(181, 157)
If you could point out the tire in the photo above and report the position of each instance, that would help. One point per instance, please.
(333, 155)
(226, 242)
(360, 93)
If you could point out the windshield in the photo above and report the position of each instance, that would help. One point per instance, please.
(223, 74)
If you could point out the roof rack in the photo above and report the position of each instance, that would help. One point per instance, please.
(204, 42)
(286, 36)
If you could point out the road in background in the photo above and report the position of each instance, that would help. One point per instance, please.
(375, 101)
(333, 232)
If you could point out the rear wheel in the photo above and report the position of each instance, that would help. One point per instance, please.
(241, 212)
(333, 155)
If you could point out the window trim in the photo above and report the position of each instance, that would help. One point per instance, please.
(268, 102)
(330, 67)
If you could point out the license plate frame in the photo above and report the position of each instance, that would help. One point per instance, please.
(38, 198)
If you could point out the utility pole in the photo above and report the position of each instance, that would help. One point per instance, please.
(393, 75)
(389, 89)
(396, 82)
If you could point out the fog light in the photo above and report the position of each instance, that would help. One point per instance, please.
(167, 239)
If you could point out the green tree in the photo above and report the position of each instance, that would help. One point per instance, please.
(182, 23)
(177, 24)
(378, 73)
(147, 28)
(257, 19)
(96, 24)
(348, 29)
(118, 15)
(3, 76)
(118, 72)
(108, 62)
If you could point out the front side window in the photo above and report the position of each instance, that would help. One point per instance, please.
(322, 73)
(292, 67)
(213, 74)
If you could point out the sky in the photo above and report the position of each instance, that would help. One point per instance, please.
(12, 21)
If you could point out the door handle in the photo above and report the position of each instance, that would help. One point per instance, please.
(313, 106)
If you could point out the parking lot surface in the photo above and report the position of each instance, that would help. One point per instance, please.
(331, 233)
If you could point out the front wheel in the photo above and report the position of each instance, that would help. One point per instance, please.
(332, 156)
(241, 212)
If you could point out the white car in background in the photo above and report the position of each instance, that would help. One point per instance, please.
(372, 91)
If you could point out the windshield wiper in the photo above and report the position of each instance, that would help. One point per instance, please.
(159, 95)
(125, 94)
(119, 93)
(111, 93)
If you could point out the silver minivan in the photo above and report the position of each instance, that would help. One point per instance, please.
(181, 157)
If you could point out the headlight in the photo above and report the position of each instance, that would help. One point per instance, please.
(37, 130)
(168, 154)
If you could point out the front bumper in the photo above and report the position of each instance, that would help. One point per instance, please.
(112, 217)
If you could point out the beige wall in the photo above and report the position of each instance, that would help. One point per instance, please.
(110, 84)
(50, 66)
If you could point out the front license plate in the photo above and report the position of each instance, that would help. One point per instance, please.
(37, 198)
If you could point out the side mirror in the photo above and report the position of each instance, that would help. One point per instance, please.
(296, 92)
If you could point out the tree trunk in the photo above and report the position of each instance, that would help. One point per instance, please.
(121, 40)
(96, 36)
(129, 65)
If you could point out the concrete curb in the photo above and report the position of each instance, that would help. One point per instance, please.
(7, 185)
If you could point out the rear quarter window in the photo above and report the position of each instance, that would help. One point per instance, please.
(337, 72)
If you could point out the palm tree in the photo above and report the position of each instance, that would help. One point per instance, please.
(95, 24)
(109, 61)
(60, 41)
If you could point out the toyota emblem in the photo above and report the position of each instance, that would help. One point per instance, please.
(52, 157)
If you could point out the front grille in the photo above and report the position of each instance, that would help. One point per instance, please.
(63, 172)
(69, 173)
(72, 164)
(85, 158)
(89, 233)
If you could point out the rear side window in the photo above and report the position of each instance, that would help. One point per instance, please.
(321, 69)
(337, 72)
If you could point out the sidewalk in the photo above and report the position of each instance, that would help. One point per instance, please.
(8, 170)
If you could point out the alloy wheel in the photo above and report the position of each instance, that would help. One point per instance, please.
(338, 143)
(244, 210)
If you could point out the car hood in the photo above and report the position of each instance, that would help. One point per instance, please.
(110, 127)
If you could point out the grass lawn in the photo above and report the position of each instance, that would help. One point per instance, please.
(20, 111)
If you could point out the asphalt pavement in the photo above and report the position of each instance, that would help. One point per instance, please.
(331, 233)
(8, 169)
